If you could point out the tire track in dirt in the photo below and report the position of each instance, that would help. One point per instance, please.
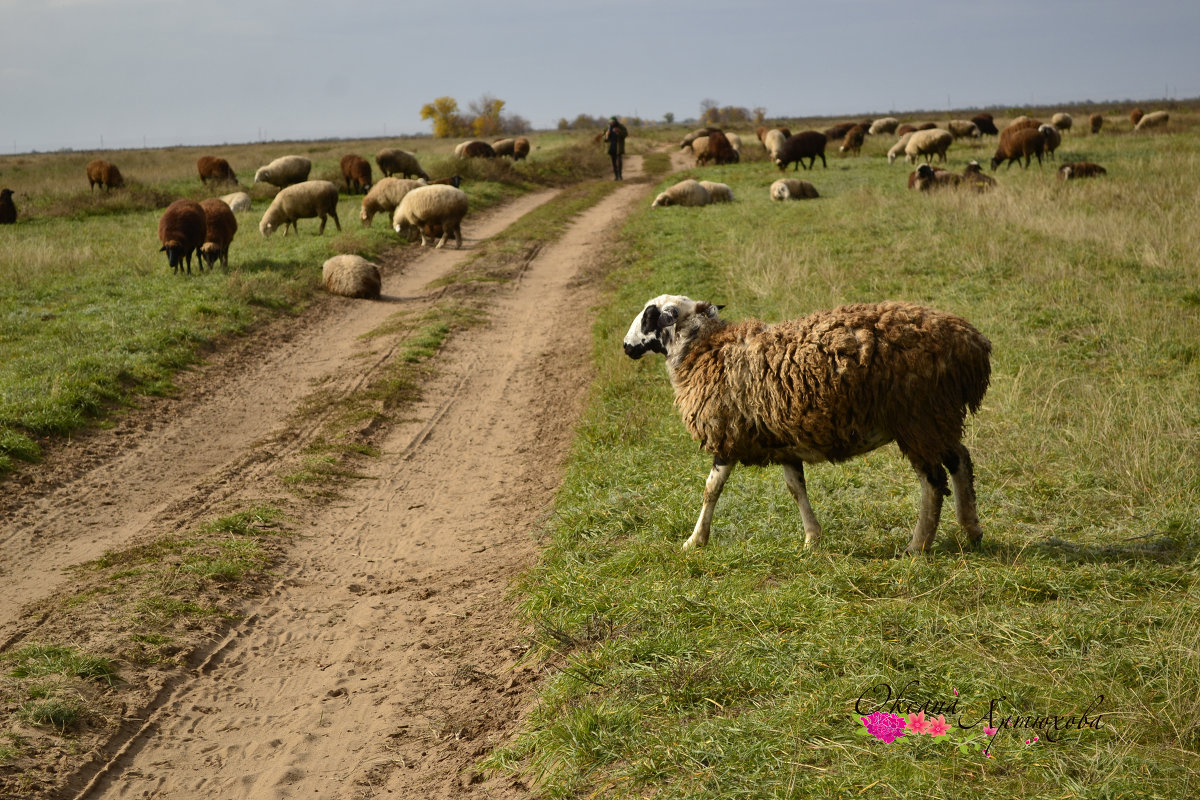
(386, 661)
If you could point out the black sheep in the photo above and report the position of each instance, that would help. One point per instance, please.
(805, 144)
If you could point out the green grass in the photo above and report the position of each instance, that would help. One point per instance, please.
(735, 671)
(38, 661)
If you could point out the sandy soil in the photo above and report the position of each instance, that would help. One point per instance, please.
(386, 659)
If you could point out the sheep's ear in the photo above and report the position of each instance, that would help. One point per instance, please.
(707, 309)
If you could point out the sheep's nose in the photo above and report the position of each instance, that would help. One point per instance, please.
(634, 350)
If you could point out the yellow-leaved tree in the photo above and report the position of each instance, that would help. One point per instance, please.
(446, 120)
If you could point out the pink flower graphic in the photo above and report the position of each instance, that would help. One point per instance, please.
(885, 727)
(990, 731)
(939, 726)
(918, 723)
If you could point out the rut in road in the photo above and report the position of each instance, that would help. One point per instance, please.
(386, 660)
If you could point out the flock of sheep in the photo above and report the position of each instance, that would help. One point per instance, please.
(845, 381)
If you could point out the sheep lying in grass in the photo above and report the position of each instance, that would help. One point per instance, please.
(182, 229)
(972, 175)
(220, 225)
(718, 192)
(436, 205)
(1080, 169)
(385, 196)
(685, 193)
(927, 178)
(301, 201)
(792, 189)
(351, 276)
(828, 387)
(238, 201)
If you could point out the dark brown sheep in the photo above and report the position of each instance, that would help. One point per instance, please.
(985, 123)
(182, 229)
(105, 174)
(520, 149)
(835, 132)
(1021, 122)
(907, 127)
(1017, 144)
(972, 175)
(392, 161)
(1135, 116)
(720, 151)
(853, 141)
(928, 177)
(220, 225)
(453, 180)
(926, 126)
(8, 209)
(478, 150)
(1097, 121)
(215, 169)
(686, 143)
(805, 144)
(356, 171)
(1080, 169)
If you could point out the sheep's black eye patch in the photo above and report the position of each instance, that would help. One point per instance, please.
(650, 319)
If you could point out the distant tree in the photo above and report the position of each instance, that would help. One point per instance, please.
(486, 111)
(734, 115)
(563, 124)
(669, 117)
(709, 113)
(586, 121)
(447, 121)
(514, 124)
(760, 115)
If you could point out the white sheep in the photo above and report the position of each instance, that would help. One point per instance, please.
(238, 201)
(928, 143)
(700, 148)
(685, 193)
(351, 276)
(963, 129)
(828, 387)
(718, 192)
(1062, 121)
(735, 142)
(301, 201)
(385, 196)
(792, 189)
(774, 140)
(437, 205)
(899, 146)
(1154, 119)
(883, 125)
(284, 171)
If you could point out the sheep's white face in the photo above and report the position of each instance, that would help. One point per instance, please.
(653, 330)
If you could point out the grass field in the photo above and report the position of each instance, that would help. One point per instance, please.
(743, 669)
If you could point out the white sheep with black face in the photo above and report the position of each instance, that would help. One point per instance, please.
(828, 387)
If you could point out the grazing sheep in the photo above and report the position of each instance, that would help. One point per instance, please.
(477, 149)
(182, 229)
(972, 175)
(301, 201)
(1155, 119)
(105, 174)
(220, 225)
(883, 125)
(1017, 144)
(792, 189)
(853, 141)
(284, 171)
(899, 146)
(839, 131)
(718, 192)
(1062, 121)
(356, 172)
(1080, 169)
(685, 193)
(8, 209)
(963, 129)
(432, 205)
(700, 149)
(926, 178)
(1097, 121)
(773, 141)
(215, 169)
(238, 201)
(1023, 122)
(719, 150)
(828, 387)
(687, 141)
(503, 147)
(985, 123)
(1051, 139)
(806, 144)
(385, 196)
(905, 129)
(928, 143)
(351, 276)
(735, 142)
(520, 149)
(399, 162)
(1135, 116)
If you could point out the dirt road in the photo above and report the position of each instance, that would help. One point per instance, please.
(385, 660)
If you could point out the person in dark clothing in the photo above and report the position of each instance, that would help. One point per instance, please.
(615, 136)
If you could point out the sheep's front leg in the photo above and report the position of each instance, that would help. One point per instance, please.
(712, 491)
(793, 476)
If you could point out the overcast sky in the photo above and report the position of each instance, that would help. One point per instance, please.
(123, 73)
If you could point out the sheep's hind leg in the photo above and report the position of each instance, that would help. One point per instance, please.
(793, 476)
(933, 489)
(712, 492)
(962, 473)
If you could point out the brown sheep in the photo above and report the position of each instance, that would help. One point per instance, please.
(985, 123)
(686, 143)
(1097, 120)
(972, 175)
(8, 209)
(356, 171)
(215, 169)
(1080, 169)
(831, 386)
(105, 174)
(838, 131)
(1135, 116)
(392, 161)
(805, 144)
(1020, 143)
(904, 128)
(520, 149)
(182, 229)
(1021, 122)
(853, 141)
(478, 150)
(219, 225)
(1051, 139)
(928, 177)
(720, 151)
